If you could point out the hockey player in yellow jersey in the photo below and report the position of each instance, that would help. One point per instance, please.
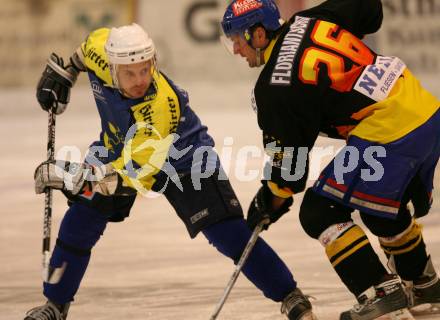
(150, 140)
(318, 77)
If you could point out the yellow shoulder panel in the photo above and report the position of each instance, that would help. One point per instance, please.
(95, 57)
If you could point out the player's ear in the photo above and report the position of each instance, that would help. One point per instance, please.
(260, 39)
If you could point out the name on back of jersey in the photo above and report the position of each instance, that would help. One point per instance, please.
(377, 80)
(282, 72)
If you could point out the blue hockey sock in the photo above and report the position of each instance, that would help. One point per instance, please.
(264, 268)
(64, 291)
(79, 231)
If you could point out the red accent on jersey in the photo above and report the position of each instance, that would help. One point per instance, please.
(364, 196)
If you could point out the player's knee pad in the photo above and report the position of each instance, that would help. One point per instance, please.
(80, 229)
(384, 227)
(317, 213)
(403, 242)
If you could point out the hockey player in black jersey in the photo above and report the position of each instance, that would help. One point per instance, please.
(319, 77)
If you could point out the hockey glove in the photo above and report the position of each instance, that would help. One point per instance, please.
(261, 208)
(62, 175)
(53, 89)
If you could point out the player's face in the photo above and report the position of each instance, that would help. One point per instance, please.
(241, 47)
(135, 79)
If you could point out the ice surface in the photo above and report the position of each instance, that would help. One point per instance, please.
(147, 267)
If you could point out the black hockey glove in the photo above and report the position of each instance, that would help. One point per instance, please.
(66, 176)
(53, 89)
(261, 208)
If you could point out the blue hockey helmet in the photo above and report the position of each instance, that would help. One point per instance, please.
(241, 15)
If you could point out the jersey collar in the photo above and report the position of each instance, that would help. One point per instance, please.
(268, 51)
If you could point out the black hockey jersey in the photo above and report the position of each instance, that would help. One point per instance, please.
(320, 77)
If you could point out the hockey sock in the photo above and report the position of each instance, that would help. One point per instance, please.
(264, 268)
(355, 261)
(79, 231)
(75, 267)
(408, 251)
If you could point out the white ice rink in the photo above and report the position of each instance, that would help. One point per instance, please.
(147, 267)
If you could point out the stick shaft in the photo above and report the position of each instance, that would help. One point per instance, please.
(247, 250)
(47, 222)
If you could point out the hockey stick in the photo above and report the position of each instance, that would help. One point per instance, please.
(247, 250)
(48, 199)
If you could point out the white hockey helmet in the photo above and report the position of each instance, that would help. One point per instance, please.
(128, 45)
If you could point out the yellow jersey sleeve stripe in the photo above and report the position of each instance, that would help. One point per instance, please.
(279, 192)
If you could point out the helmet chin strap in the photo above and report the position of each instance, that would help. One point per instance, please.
(259, 62)
(258, 57)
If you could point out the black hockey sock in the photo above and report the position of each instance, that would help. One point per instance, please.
(355, 261)
(408, 251)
